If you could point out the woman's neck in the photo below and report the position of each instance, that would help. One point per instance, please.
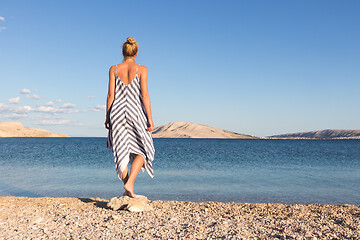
(129, 59)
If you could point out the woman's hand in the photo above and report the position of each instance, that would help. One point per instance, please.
(107, 123)
(150, 126)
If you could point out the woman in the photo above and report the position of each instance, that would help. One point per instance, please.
(128, 118)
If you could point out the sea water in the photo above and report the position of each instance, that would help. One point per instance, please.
(225, 170)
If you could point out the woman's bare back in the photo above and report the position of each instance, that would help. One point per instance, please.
(127, 71)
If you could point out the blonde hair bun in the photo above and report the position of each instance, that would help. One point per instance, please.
(130, 47)
(130, 40)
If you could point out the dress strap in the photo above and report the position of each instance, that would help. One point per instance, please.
(137, 69)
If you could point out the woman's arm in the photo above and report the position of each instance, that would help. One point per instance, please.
(110, 95)
(146, 97)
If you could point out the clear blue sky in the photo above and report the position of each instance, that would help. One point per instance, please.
(253, 67)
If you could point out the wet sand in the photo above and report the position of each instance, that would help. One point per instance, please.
(89, 218)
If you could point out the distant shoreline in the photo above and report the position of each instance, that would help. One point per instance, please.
(343, 138)
(259, 138)
(181, 130)
(16, 129)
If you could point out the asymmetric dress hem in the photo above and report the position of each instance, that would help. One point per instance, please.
(128, 135)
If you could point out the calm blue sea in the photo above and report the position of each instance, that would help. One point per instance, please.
(225, 170)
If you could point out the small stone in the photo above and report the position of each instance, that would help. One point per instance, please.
(38, 220)
(115, 216)
(138, 204)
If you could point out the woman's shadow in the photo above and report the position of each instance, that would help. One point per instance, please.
(97, 203)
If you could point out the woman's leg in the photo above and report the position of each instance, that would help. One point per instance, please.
(125, 175)
(134, 170)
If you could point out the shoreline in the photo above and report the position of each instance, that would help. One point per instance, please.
(90, 218)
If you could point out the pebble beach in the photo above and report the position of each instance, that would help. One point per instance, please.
(91, 218)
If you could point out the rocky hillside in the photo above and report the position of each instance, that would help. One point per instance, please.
(192, 130)
(16, 129)
(322, 134)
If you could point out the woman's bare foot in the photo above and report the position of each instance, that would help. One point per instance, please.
(126, 193)
(129, 190)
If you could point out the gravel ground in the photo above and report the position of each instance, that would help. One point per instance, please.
(89, 218)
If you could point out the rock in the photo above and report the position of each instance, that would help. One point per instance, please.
(117, 203)
(138, 204)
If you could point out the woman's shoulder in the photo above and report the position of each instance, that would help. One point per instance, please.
(116, 66)
(113, 67)
(142, 68)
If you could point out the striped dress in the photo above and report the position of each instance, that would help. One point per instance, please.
(127, 135)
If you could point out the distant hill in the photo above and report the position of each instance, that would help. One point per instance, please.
(192, 130)
(16, 129)
(321, 134)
